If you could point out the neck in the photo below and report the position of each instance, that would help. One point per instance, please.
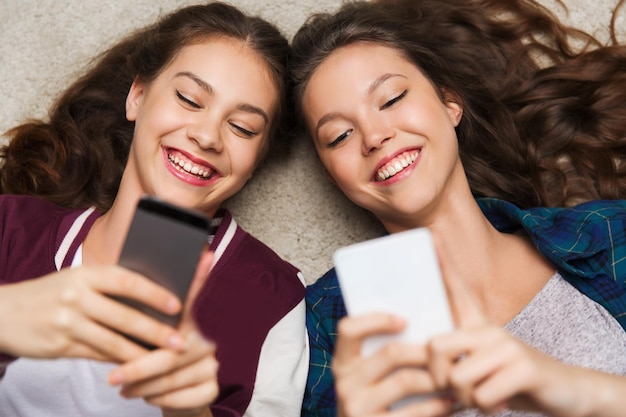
(502, 271)
(104, 241)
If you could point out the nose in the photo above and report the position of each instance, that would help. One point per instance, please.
(205, 131)
(376, 131)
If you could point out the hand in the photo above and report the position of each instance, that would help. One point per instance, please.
(67, 314)
(182, 382)
(368, 386)
(488, 368)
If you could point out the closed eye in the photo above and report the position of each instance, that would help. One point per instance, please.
(245, 132)
(339, 139)
(393, 100)
(187, 101)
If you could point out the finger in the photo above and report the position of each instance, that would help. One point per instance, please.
(515, 370)
(201, 275)
(190, 397)
(352, 330)
(193, 374)
(354, 375)
(444, 351)
(129, 321)
(498, 352)
(99, 342)
(161, 361)
(396, 394)
(406, 382)
(493, 394)
(123, 282)
(433, 406)
(392, 357)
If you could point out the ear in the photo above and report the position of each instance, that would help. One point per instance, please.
(455, 112)
(133, 100)
(453, 106)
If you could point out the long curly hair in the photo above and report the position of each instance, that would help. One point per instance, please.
(77, 157)
(544, 120)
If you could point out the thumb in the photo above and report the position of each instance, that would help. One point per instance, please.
(205, 263)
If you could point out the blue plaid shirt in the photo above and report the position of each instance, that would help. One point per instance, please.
(585, 243)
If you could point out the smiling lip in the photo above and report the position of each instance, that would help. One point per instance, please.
(396, 165)
(189, 169)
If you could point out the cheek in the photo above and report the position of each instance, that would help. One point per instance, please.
(341, 168)
(245, 157)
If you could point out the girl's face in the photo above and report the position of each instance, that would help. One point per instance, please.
(383, 134)
(201, 126)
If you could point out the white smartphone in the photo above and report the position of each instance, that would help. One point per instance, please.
(398, 274)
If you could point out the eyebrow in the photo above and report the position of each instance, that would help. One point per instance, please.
(372, 87)
(246, 107)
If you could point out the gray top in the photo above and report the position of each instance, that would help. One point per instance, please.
(568, 326)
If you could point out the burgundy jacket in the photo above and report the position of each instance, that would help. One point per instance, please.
(250, 290)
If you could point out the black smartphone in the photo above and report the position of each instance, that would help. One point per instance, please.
(164, 243)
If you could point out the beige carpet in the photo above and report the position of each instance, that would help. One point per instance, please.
(288, 205)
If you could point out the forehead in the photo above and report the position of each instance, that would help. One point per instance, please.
(356, 64)
(353, 72)
(227, 63)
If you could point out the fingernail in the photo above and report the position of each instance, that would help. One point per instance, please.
(173, 305)
(115, 378)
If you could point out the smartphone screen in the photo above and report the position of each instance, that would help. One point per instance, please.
(164, 243)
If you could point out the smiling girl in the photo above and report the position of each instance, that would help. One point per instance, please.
(184, 110)
(437, 114)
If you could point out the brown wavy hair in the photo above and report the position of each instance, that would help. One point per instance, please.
(76, 159)
(544, 120)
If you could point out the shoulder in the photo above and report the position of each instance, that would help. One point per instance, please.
(248, 272)
(256, 259)
(233, 244)
(502, 213)
(579, 229)
(30, 217)
(586, 243)
(31, 232)
(324, 306)
(324, 292)
(24, 207)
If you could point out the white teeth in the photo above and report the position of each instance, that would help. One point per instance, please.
(396, 166)
(188, 167)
